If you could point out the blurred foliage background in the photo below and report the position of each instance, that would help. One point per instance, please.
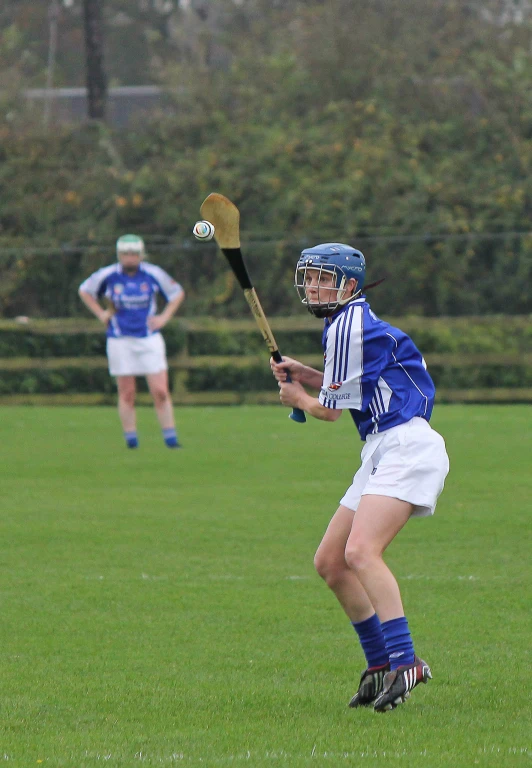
(400, 126)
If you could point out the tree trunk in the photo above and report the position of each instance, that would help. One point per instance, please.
(96, 77)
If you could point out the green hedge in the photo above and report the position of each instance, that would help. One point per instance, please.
(17, 344)
(43, 339)
(495, 335)
(66, 380)
(251, 343)
(492, 334)
(467, 335)
(261, 380)
(297, 335)
(82, 381)
(477, 377)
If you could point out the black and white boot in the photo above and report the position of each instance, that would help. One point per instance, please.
(371, 682)
(398, 683)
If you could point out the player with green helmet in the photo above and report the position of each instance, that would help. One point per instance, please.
(135, 346)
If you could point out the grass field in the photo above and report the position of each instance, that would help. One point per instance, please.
(161, 607)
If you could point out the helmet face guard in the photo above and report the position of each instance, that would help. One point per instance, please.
(322, 275)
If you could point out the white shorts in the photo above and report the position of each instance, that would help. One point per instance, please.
(132, 356)
(407, 462)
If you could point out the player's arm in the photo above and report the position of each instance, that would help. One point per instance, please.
(92, 289)
(89, 291)
(160, 320)
(171, 291)
(94, 306)
(294, 395)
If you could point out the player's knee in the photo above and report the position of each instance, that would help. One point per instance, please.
(358, 556)
(330, 570)
(160, 396)
(128, 398)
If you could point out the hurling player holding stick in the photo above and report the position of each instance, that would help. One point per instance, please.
(375, 372)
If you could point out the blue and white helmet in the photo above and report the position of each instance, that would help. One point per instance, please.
(344, 262)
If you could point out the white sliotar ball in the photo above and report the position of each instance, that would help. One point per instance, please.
(203, 230)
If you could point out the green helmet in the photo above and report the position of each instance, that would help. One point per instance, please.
(130, 243)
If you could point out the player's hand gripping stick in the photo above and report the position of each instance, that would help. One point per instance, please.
(297, 414)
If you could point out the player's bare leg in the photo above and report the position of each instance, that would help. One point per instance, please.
(377, 521)
(331, 565)
(158, 386)
(126, 408)
(159, 390)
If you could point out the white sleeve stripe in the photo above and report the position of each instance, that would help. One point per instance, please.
(357, 364)
(348, 336)
(343, 339)
(343, 351)
(338, 348)
(361, 354)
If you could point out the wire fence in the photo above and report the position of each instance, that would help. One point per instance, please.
(426, 274)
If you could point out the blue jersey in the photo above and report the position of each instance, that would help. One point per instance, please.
(374, 370)
(133, 296)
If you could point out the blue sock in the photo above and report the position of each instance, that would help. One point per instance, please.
(398, 642)
(131, 439)
(372, 641)
(170, 438)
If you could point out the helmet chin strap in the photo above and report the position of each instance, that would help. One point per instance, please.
(320, 312)
(343, 302)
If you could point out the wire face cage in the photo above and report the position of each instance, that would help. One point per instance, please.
(321, 288)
